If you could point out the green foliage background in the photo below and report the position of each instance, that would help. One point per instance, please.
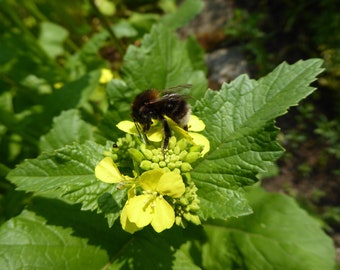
(61, 217)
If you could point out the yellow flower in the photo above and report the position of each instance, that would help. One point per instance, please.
(151, 207)
(155, 133)
(58, 85)
(106, 75)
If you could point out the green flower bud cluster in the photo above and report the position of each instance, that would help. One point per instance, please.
(177, 157)
(187, 206)
(119, 151)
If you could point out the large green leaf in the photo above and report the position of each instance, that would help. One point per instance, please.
(69, 172)
(239, 124)
(27, 242)
(279, 235)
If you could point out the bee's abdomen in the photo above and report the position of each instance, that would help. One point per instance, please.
(177, 109)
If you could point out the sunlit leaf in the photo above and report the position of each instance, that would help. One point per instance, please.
(240, 126)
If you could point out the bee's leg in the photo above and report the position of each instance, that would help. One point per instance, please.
(185, 127)
(141, 133)
(167, 133)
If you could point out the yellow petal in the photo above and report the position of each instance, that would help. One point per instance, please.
(164, 216)
(199, 139)
(149, 179)
(107, 171)
(127, 126)
(155, 134)
(140, 210)
(177, 129)
(126, 224)
(171, 184)
(195, 124)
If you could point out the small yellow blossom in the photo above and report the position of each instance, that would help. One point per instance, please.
(106, 75)
(150, 207)
(58, 85)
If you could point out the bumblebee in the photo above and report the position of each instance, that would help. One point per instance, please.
(153, 104)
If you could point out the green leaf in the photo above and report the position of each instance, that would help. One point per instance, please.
(51, 38)
(56, 235)
(239, 124)
(162, 61)
(185, 13)
(67, 129)
(69, 172)
(27, 242)
(279, 235)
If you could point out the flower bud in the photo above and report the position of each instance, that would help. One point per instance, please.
(182, 144)
(196, 148)
(177, 150)
(162, 164)
(195, 219)
(172, 142)
(184, 201)
(155, 159)
(146, 152)
(176, 170)
(186, 167)
(171, 165)
(146, 165)
(187, 216)
(174, 158)
(178, 220)
(193, 207)
(182, 155)
(192, 157)
(154, 166)
(136, 155)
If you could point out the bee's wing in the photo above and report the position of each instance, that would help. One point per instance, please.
(175, 89)
(168, 97)
(170, 94)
